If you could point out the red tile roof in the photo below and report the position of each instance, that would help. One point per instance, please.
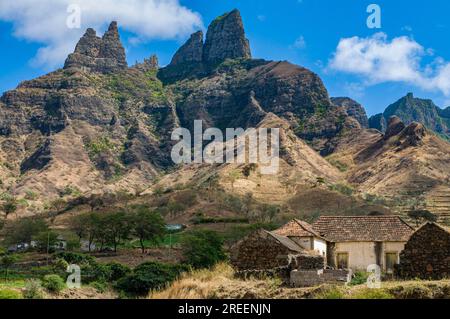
(363, 228)
(297, 228)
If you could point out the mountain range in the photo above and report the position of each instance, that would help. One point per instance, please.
(98, 126)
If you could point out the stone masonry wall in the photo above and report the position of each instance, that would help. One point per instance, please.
(258, 252)
(310, 278)
(426, 255)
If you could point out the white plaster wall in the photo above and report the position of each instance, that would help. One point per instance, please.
(320, 246)
(362, 254)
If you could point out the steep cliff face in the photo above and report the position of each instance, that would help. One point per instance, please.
(217, 88)
(226, 39)
(96, 125)
(191, 51)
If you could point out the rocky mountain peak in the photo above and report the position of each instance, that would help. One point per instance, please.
(226, 39)
(412, 109)
(96, 54)
(191, 51)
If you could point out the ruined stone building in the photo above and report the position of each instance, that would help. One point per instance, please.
(263, 250)
(426, 254)
(355, 242)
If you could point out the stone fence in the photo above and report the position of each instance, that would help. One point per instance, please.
(309, 278)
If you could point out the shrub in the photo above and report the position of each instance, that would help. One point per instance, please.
(33, 289)
(99, 272)
(118, 271)
(202, 248)
(9, 294)
(359, 278)
(149, 276)
(61, 265)
(101, 287)
(53, 283)
(75, 258)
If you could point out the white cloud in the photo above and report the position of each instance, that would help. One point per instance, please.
(378, 60)
(45, 22)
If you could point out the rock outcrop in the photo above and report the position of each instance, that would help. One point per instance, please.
(395, 126)
(191, 51)
(226, 39)
(378, 122)
(353, 109)
(104, 55)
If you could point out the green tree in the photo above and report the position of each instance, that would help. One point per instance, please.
(24, 230)
(202, 248)
(10, 205)
(147, 226)
(114, 228)
(86, 226)
(46, 240)
(7, 262)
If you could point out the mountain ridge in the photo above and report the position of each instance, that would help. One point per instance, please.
(98, 126)
(410, 109)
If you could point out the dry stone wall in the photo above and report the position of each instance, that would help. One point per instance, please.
(426, 254)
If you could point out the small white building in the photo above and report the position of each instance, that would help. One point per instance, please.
(305, 236)
(355, 242)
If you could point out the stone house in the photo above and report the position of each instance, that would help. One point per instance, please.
(304, 235)
(264, 250)
(355, 242)
(426, 254)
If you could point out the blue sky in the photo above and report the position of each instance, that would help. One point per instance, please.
(305, 32)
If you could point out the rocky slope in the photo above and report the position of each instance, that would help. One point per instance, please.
(404, 168)
(410, 109)
(98, 126)
(93, 126)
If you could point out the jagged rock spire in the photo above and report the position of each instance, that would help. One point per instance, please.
(96, 54)
(226, 39)
(191, 51)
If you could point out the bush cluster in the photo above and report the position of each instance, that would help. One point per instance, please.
(149, 276)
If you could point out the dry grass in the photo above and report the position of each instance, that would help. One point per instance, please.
(200, 284)
(220, 283)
